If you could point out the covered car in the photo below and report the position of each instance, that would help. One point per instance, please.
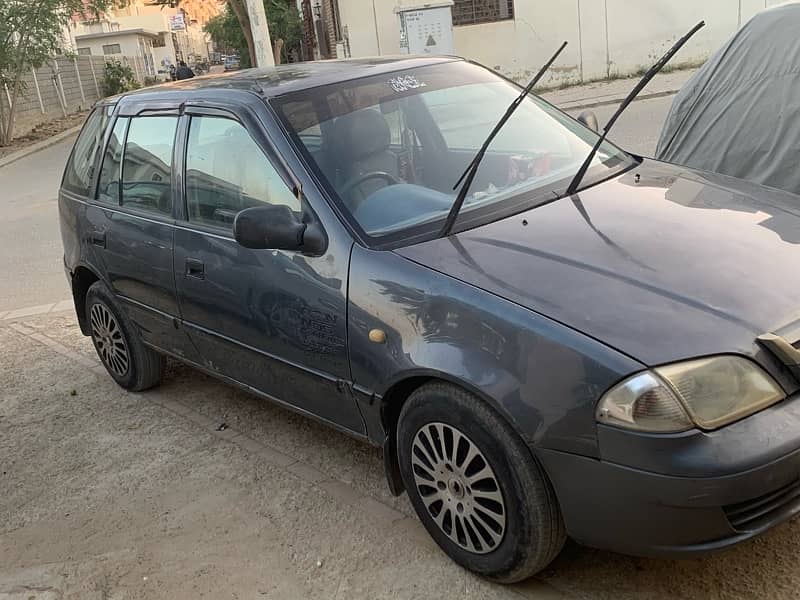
(740, 113)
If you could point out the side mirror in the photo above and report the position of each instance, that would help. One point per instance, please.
(276, 227)
(589, 119)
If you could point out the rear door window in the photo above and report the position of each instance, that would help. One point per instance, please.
(147, 164)
(108, 187)
(79, 173)
(226, 172)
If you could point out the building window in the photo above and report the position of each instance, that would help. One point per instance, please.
(471, 12)
(84, 51)
(159, 42)
(112, 49)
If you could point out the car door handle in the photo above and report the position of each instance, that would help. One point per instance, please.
(195, 268)
(98, 238)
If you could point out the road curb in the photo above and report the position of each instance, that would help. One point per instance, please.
(588, 103)
(33, 311)
(33, 148)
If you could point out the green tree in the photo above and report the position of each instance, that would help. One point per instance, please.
(118, 78)
(285, 27)
(227, 35)
(30, 33)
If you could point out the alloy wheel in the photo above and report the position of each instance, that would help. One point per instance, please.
(109, 340)
(458, 487)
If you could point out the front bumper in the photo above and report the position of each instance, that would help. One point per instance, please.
(712, 490)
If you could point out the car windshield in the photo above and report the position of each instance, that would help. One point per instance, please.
(391, 147)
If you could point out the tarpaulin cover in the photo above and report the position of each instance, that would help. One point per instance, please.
(740, 113)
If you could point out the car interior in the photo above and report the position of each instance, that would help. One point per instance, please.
(397, 143)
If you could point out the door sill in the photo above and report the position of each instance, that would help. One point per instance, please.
(256, 392)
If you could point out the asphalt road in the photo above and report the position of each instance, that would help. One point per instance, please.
(639, 127)
(30, 242)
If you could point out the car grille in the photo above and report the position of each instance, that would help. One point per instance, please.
(751, 514)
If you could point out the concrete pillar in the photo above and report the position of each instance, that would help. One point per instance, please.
(260, 29)
(94, 77)
(38, 91)
(80, 83)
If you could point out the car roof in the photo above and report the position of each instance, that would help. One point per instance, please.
(272, 82)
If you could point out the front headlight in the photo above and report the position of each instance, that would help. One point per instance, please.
(707, 393)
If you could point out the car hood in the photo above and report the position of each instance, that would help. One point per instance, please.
(662, 262)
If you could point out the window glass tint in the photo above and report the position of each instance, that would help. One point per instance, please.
(80, 170)
(108, 188)
(147, 166)
(227, 172)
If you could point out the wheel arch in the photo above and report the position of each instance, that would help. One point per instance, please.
(400, 390)
(405, 384)
(83, 278)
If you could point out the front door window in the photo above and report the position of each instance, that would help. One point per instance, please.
(226, 172)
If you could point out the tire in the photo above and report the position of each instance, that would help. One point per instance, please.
(528, 530)
(117, 342)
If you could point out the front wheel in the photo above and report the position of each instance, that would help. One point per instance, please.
(475, 485)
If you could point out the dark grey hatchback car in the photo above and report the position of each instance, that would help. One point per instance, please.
(619, 365)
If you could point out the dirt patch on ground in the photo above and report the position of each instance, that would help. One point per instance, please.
(43, 132)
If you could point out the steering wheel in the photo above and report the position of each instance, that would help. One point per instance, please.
(359, 179)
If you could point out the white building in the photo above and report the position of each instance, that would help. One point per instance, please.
(606, 37)
(154, 37)
(138, 43)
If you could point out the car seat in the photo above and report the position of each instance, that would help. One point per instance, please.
(362, 141)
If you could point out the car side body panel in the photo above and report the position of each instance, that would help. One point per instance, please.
(72, 222)
(540, 375)
(136, 259)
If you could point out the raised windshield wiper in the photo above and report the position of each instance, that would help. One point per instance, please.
(469, 174)
(579, 175)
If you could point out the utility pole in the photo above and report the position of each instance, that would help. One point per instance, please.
(260, 28)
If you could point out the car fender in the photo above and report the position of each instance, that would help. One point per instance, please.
(408, 323)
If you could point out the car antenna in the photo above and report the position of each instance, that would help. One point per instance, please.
(472, 169)
(579, 175)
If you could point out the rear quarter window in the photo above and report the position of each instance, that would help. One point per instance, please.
(79, 174)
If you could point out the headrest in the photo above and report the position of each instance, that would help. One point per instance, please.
(361, 134)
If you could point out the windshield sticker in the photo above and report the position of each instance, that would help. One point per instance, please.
(405, 83)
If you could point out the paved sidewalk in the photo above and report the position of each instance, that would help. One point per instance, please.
(601, 93)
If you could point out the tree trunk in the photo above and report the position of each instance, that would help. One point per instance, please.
(277, 50)
(9, 126)
(244, 22)
(9, 132)
(3, 141)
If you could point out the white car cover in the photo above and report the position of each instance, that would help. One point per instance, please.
(740, 113)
